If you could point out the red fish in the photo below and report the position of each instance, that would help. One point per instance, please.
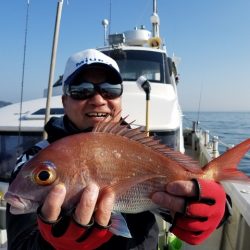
(115, 157)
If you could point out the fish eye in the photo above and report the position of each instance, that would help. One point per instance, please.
(44, 175)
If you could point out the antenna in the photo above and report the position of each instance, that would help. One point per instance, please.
(23, 68)
(199, 106)
(110, 12)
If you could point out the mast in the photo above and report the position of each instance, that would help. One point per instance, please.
(53, 61)
(155, 20)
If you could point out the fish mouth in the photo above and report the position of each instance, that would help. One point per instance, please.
(98, 114)
(20, 205)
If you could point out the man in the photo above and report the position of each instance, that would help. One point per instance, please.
(92, 89)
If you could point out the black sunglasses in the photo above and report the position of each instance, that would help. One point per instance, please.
(87, 90)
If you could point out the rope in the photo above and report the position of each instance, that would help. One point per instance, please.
(143, 12)
(23, 71)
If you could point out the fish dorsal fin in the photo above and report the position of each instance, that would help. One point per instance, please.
(138, 134)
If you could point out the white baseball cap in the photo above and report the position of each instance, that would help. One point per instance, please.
(86, 59)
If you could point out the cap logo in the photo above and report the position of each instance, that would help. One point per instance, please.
(88, 59)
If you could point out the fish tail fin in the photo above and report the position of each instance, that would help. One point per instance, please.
(224, 167)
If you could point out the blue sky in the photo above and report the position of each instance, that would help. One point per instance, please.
(212, 38)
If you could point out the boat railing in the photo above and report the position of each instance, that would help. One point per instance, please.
(236, 230)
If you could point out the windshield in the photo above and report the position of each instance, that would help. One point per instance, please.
(135, 63)
(11, 146)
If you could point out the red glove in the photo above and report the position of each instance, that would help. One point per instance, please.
(203, 215)
(75, 236)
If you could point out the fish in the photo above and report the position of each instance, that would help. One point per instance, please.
(118, 158)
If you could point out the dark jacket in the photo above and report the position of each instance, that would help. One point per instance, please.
(22, 230)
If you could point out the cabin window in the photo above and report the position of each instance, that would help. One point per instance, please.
(135, 63)
(11, 146)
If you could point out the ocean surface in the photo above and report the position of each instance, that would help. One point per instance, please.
(230, 127)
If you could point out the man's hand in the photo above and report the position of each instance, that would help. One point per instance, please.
(88, 226)
(175, 196)
(198, 207)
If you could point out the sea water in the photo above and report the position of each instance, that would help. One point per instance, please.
(231, 128)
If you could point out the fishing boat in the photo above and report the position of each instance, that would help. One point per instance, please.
(150, 79)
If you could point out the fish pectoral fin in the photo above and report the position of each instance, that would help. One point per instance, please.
(119, 225)
(122, 186)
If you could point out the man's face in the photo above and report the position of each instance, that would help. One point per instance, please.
(87, 113)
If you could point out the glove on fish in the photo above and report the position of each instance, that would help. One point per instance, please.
(74, 236)
(202, 216)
